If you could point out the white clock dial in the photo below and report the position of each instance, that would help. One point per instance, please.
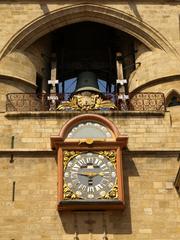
(90, 130)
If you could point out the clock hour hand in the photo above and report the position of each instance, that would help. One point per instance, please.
(84, 174)
(94, 174)
(91, 174)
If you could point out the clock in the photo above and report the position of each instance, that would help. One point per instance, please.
(89, 129)
(89, 153)
(90, 176)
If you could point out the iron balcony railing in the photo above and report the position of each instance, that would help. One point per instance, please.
(25, 102)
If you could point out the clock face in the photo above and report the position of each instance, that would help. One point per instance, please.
(89, 130)
(90, 176)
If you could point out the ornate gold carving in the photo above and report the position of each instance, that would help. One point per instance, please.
(68, 194)
(88, 141)
(110, 155)
(85, 101)
(113, 193)
(68, 155)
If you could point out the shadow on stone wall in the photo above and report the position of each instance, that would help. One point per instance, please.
(99, 222)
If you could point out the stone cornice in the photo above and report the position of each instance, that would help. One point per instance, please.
(129, 151)
(60, 114)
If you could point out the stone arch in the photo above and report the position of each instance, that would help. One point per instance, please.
(87, 12)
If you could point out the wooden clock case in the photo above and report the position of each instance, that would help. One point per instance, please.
(61, 143)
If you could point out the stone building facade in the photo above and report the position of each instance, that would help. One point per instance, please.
(28, 164)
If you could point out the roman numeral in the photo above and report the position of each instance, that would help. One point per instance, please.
(82, 186)
(98, 187)
(90, 189)
(82, 162)
(104, 167)
(73, 174)
(104, 182)
(76, 181)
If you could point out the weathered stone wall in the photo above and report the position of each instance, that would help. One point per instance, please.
(40, 54)
(153, 68)
(25, 65)
(146, 131)
(150, 165)
(152, 203)
(19, 66)
(166, 87)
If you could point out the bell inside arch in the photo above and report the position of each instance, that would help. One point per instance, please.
(87, 81)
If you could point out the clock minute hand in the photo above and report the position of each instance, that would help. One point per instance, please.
(94, 174)
(101, 174)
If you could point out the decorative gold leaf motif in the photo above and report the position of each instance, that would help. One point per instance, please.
(85, 102)
(68, 155)
(68, 194)
(109, 155)
(88, 141)
(113, 193)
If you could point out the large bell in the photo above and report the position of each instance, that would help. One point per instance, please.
(87, 81)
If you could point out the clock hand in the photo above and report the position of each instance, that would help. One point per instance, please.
(101, 174)
(90, 181)
(94, 174)
(84, 174)
(91, 174)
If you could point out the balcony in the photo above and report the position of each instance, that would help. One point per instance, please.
(31, 102)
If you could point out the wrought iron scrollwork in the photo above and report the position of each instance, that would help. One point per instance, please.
(148, 102)
(28, 102)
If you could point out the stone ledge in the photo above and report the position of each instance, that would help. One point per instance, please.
(150, 152)
(75, 113)
(26, 150)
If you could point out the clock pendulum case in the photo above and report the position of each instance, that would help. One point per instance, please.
(90, 175)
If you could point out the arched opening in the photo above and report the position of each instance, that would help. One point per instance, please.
(173, 99)
(89, 46)
(46, 24)
(107, 52)
(85, 37)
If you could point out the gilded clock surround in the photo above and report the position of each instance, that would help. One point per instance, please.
(68, 155)
(68, 148)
